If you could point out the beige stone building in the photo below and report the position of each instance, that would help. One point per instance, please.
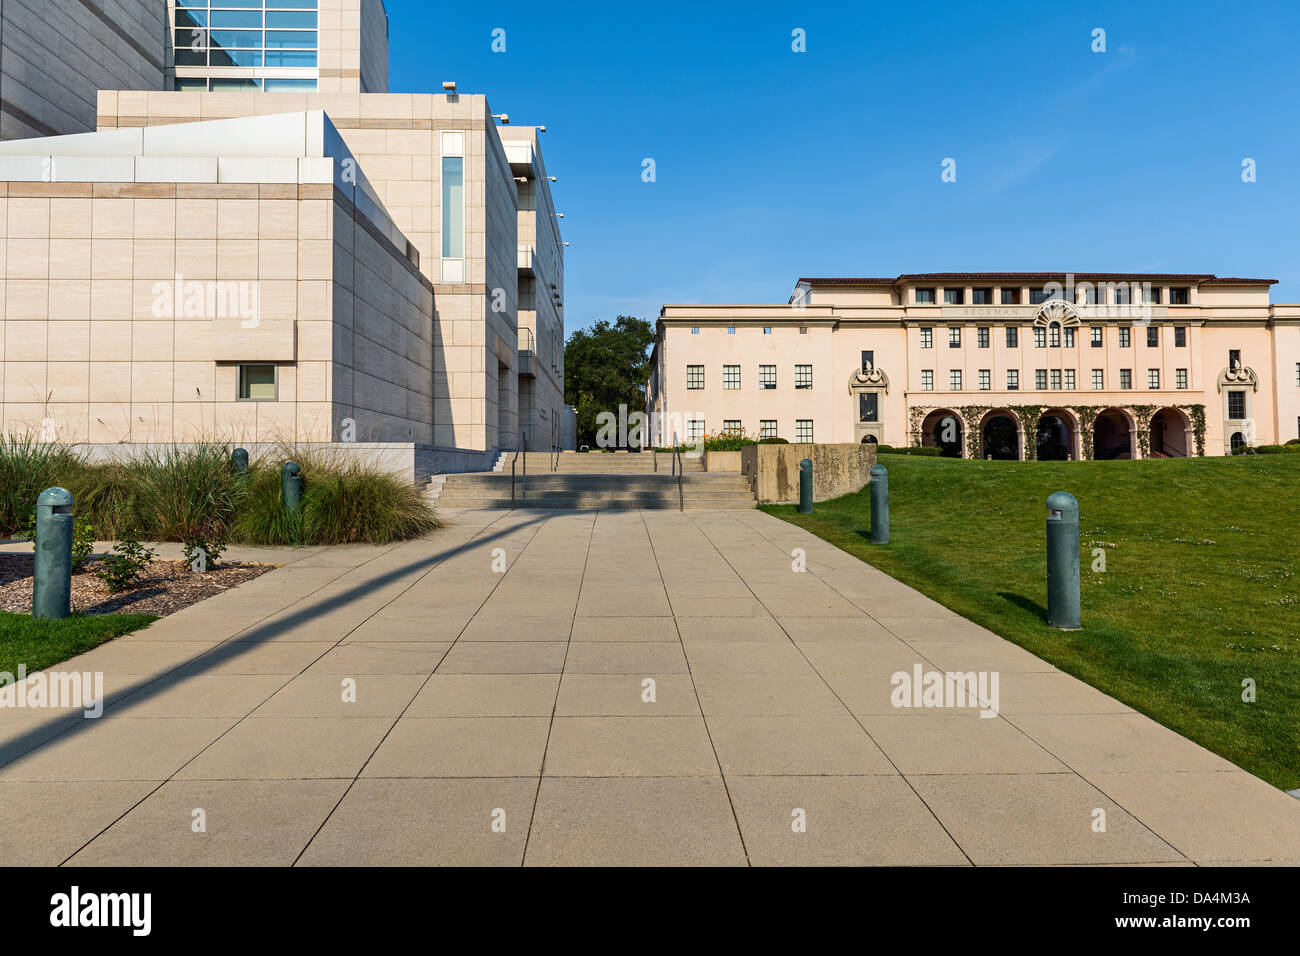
(990, 365)
(467, 196)
(55, 55)
(162, 286)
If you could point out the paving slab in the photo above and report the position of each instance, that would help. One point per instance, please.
(500, 719)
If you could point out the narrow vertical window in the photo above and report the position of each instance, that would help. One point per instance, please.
(453, 207)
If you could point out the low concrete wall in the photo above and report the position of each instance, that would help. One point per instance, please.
(728, 461)
(773, 470)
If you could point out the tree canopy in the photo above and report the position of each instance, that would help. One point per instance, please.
(606, 366)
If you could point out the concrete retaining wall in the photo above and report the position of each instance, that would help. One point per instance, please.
(725, 461)
(773, 470)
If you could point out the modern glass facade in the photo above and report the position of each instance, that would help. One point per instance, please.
(270, 45)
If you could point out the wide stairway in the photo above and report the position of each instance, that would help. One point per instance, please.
(588, 480)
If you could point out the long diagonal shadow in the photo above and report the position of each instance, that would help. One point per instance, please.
(242, 642)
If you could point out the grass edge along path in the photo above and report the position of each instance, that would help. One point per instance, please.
(36, 644)
(1199, 592)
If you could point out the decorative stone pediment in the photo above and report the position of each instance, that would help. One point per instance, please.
(869, 378)
(1237, 375)
(1056, 310)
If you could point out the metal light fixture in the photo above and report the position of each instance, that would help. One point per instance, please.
(503, 117)
(449, 86)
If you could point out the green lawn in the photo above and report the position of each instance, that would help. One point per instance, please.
(1199, 590)
(37, 644)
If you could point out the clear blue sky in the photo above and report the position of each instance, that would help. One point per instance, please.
(772, 164)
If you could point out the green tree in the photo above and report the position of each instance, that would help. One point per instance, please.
(606, 366)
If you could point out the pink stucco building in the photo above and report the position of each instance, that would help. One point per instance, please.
(1001, 365)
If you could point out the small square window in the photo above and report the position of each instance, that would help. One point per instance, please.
(1153, 378)
(1069, 379)
(954, 380)
(695, 330)
(925, 296)
(927, 338)
(927, 380)
(1056, 379)
(954, 296)
(868, 406)
(1180, 337)
(1040, 379)
(1153, 337)
(767, 428)
(1040, 337)
(981, 296)
(1237, 405)
(731, 426)
(1125, 338)
(803, 430)
(985, 380)
(803, 376)
(1098, 379)
(1013, 380)
(731, 377)
(1126, 378)
(1010, 296)
(767, 330)
(982, 337)
(767, 376)
(257, 383)
(1178, 295)
(1013, 337)
(695, 376)
(1098, 336)
(1180, 378)
(954, 337)
(731, 330)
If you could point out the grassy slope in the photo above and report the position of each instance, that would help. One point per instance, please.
(36, 644)
(1199, 590)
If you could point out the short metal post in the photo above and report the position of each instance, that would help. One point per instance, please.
(52, 584)
(1063, 562)
(291, 486)
(805, 487)
(239, 460)
(879, 489)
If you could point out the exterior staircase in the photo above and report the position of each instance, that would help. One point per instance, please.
(595, 481)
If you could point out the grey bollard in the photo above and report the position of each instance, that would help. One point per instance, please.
(805, 487)
(1063, 562)
(291, 486)
(239, 460)
(879, 489)
(52, 584)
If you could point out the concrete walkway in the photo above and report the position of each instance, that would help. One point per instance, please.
(499, 719)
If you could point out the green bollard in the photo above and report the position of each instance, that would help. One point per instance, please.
(879, 488)
(52, 586)
(805, 486)
(1063, 562)
(291, 486)
(239, 460)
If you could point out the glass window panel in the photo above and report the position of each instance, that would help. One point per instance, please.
(191, 83)
(242, 4)
(300, 39)
(236, 38)
(236, 19)
(191, 39)
(191, 18)
(287, 19)
(190, 4)
(453, 207)
(290, 58)
(290, 86)
(185, 57)
(257, 382)
(298, 4)
(236, 83)
(235, 57)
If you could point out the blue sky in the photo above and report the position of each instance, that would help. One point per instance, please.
(771, 164)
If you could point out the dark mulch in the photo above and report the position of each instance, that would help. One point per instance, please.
(166, 587)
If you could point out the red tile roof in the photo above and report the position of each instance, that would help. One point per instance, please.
(1198, 277)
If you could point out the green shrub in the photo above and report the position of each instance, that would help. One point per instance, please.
(1269, 449)
(122, 568)
(355, 505)
(925, 451)
(774, 441)
(1291, 449)
(28, 467)
(209, 550)
(185, 492)
(889, 450)
(1293, 441)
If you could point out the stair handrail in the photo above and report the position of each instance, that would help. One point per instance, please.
(513, 461)
(677, 457)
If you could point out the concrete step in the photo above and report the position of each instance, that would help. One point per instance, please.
(606, 502)
(576, 480)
